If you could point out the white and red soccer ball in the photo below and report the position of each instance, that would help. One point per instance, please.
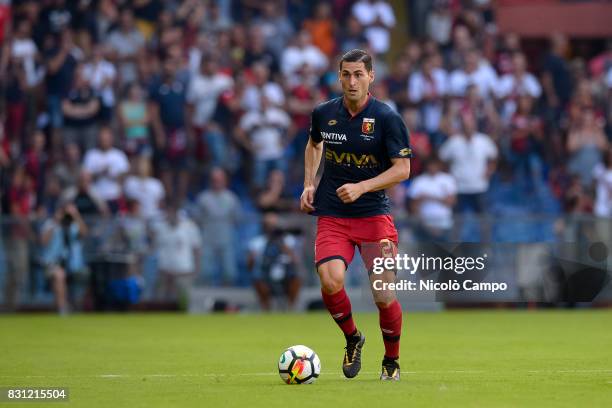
(299, 365)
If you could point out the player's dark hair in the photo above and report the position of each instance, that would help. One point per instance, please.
(357, 55)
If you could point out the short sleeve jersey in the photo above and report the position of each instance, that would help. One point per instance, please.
(356, 148)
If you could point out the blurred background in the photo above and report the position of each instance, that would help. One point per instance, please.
(151, 152)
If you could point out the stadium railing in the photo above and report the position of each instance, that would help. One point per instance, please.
(539, 256)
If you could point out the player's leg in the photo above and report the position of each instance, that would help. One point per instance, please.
(390, 320)
(389, 308)
(389, 312)
(331, 275)
(333, 252)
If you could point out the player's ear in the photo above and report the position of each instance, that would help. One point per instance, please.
(371, 75)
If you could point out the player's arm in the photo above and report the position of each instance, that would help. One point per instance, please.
(398, 172)
(312, 160)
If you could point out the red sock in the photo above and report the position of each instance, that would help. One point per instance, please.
(390, 319)
(339, 306)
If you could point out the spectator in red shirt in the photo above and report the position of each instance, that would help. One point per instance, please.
(36, 160)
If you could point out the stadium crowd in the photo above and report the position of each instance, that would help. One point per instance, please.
(183, 120)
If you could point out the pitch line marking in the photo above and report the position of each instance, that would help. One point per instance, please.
(113, 376)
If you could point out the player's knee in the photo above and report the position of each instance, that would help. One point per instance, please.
(332, 279)
(331, 286)
(330, 283)
(383, 304)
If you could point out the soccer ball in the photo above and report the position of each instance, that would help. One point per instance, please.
(299, 365)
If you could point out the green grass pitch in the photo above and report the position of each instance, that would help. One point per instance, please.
(454, 359)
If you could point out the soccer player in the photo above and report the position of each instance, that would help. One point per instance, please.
(366, 148)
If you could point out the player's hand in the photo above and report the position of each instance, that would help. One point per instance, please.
(307, 199)
(350, 192)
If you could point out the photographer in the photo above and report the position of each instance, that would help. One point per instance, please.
(62, 250)
(273, 261)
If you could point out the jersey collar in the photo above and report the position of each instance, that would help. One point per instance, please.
(365, 105)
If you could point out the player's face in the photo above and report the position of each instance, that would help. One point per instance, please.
(355, 80)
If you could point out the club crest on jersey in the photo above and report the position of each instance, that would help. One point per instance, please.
(367, 126)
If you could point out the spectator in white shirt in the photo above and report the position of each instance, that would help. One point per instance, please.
(518, 83)
(219, 214)
(178, 244)
(471, 157)
(262, 87)
(126, 43)
(145, 189)
(101, 76)
(377, 17)
(204, 90)
(428, 87)
(107, 165)
(440, 23)
(433, 195)
(24, 50)
(475, 71)
(302, 52)
(202, 98)
(264, 134)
